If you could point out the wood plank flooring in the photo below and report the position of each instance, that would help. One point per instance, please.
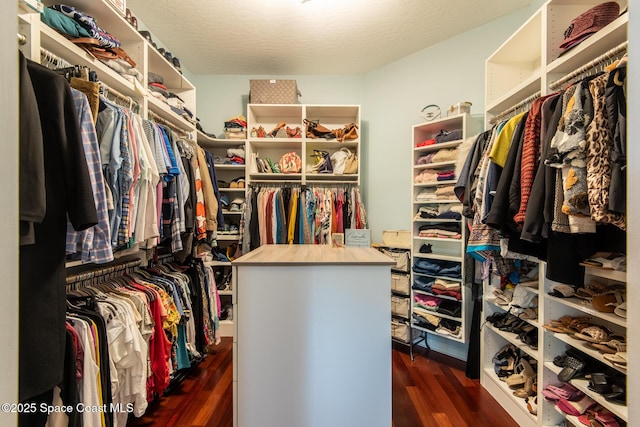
(430, 391)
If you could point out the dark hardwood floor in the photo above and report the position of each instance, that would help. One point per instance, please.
(430, 391)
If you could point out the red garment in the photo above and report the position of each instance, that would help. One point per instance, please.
(426, 142)
(530, 154)
(159, 85)
(79, 350)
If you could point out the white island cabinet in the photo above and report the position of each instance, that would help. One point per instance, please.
(312, 343)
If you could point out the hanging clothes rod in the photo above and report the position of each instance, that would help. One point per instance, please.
(515, 107)
(53, 59)
(22, 39)
(104, 271)
(110, 91)
(611, 54)
(158, 119)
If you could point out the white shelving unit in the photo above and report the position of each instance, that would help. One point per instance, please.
(147, 59)
(330, 116)
(443, 249)
(226, 173)
(524, 65)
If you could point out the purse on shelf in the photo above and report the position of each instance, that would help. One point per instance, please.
(313, 129)
(290, 163)
(322, 162)
(344, 162)
(351, 164)
(278, 131)
(294, 132)
(349, 131)
(258, 132)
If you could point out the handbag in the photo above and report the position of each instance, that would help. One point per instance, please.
(322, 164)
(339, 160)
(351, 163)
(315, 130)
(349, 131)
(290, 163)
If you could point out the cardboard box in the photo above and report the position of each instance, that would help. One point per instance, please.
(273, 92)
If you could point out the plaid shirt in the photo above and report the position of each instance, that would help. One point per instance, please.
(94, 244)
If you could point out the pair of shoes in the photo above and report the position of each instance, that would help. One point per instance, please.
(237, 183)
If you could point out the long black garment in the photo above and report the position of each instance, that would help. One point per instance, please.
(501, 213)
(616, 104)
(540, 207)
(42, 265)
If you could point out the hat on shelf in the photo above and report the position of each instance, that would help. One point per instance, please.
(589, 23)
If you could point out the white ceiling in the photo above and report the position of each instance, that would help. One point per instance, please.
(280, 37)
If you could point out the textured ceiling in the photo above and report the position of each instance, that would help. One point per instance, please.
(281, 37)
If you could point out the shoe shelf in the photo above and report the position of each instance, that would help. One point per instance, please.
(501, 387)
(586, 307)
(493, 302)
(513, 339)
(226, 212)
(616, 276)
(228, 237)
(581, 346)
(572, 419)
(437, 314)
(621, 411)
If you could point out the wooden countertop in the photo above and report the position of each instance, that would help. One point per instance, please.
(313, 255)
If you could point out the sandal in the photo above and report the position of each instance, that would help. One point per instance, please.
(523, 371)
(594, 334)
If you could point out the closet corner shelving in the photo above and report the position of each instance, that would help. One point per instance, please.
(444, 249)
(330, 116)
(226, 174)
(526, 64)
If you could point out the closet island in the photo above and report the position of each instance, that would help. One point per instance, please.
(312, 343)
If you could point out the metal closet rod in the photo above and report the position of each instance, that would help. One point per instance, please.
(103, 271)
(108, 90)
(513, 108)
(156, 118)
(611, 54)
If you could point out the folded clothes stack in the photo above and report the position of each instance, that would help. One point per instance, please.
(425, 176)
(434, 267)
(446, 175)
(425, 159)
(446, 288)
(445, 192)
(427, 194)
(445, 231)
(445, 155)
